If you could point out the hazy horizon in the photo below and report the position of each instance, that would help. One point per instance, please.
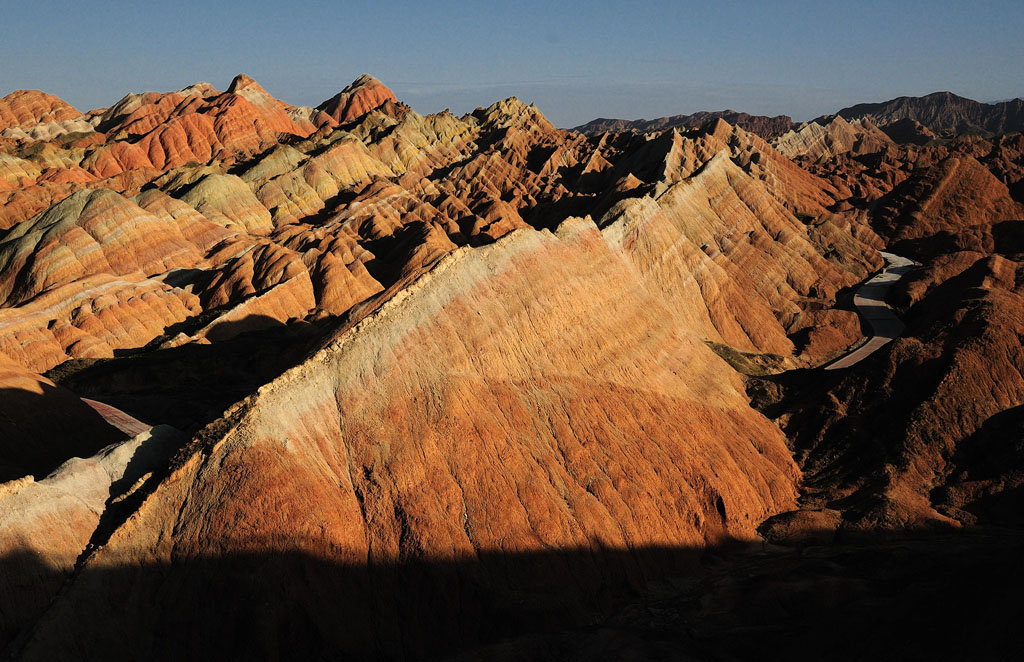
(799, 59)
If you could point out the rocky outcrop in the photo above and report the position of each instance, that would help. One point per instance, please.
(57, 516)
(42, 424)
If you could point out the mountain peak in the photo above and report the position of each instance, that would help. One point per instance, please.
(362, 95)
(243, 82)
(363, 80)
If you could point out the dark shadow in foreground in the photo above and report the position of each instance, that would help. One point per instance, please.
(910, 597)
(43, 426)
(190, 385)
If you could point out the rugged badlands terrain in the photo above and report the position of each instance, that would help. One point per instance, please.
(352, 382)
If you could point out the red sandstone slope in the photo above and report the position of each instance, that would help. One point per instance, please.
(952, 205)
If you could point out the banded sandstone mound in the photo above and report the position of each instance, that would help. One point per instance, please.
(24, 109)
(835, 136)
(366, 93)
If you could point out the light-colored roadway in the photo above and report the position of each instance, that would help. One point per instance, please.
(871, 305)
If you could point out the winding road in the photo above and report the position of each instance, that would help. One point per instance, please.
(871, 305)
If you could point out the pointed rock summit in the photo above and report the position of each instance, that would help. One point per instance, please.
(241, 83)
(364, 94)
(512, 112)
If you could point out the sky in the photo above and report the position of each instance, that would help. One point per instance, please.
(576, 61)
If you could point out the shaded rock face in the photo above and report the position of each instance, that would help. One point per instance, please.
(908, 130)
(42, 424)
(943, 448)
(53, 518)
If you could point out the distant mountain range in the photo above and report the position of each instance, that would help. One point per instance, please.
(766, 127)
(944, 113)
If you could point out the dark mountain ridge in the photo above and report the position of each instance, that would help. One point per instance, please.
(764, 126)
(945, 112)
(940, 112)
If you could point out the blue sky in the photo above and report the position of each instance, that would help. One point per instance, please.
(576, 62)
